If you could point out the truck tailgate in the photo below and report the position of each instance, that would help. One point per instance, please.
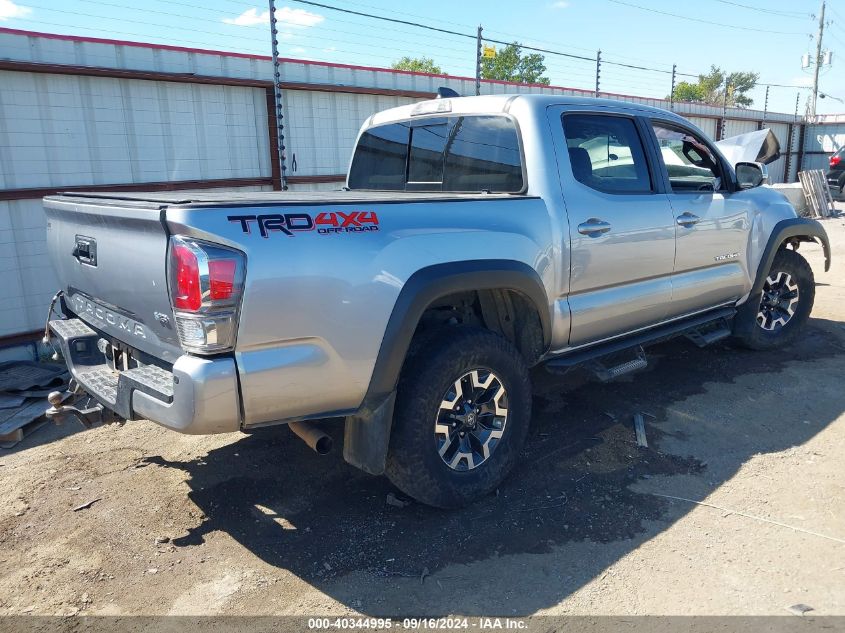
(112, 258)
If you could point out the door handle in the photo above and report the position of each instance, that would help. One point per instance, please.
(593, 227)
(687, 219)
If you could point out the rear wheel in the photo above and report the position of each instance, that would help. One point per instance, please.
(462, 412)
(784, 306)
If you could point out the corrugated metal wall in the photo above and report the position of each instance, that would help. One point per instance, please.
(820, 141)
(61, 130)
(322, 126)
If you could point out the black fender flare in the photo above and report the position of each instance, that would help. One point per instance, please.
(785, 229)
(367, 432)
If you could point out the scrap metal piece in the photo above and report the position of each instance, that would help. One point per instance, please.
(639, 427)
(21, 375)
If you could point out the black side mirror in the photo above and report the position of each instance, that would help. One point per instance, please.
(750, 175)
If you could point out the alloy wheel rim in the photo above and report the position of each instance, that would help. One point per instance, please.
(471, 420)
(779, 301)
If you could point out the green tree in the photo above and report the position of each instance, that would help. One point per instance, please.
(710, 88)
(510, 64)
(417, 65)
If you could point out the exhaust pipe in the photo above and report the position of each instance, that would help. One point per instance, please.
(311, 435)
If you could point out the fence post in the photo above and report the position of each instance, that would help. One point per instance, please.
(724, 111)
(598, 71)
(672, 92)
(765, 108)
(277, 97)
(799, 162)
(478, 62)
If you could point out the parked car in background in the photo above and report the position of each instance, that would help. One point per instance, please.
(836, 173)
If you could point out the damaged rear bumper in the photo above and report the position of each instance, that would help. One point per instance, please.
(197, 395)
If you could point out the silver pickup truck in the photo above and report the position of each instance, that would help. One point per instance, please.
(476, 238)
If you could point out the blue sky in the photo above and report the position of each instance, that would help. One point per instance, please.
(767, 36)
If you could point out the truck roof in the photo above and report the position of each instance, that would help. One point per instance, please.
(491, 104)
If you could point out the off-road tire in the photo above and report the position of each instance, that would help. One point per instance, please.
(747, 329)
(414, 464)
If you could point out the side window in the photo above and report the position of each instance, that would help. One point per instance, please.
(379, 161)
(690, 163)
(606, 153)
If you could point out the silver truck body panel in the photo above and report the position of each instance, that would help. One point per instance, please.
(316, 305)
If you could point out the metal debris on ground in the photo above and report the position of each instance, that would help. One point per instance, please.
(23, 387)
(639, 427)
(21, 421)
(9, 401)
(799, 609)
(396, 502)
(23, 375)
(87, 504)
(817, 194)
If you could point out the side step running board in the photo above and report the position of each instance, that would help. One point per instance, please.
(710, 333)
(709, 327)
(605, 374)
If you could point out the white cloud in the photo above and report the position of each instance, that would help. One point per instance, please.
(285, 16)
(297, 50)
(9, 10)
(560, 4)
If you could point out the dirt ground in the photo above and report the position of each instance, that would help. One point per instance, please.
(587, 524)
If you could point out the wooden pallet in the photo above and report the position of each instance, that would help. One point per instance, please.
(15, 424)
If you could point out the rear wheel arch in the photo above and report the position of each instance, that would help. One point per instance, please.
(496, 283)
(504, 296)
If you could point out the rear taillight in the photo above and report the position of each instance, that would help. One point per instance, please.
(206, 283)
(835, 160)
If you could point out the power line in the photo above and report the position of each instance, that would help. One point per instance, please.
(684, 17)
(386, 19)
(785, 14)
(435, 28)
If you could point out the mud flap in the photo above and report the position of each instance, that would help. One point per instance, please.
(366, 437)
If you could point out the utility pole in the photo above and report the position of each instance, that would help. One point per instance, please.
(724, 110)
(672, 93)
(478, 62)
(277, 96)
(598, 71)
(818, 59)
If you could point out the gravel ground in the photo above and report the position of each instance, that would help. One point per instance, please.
(588, 524)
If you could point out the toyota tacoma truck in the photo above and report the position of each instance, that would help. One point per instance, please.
(475, 238)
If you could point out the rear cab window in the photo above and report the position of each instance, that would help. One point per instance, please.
(456, 153)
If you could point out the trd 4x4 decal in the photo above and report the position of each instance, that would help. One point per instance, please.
(324, 223)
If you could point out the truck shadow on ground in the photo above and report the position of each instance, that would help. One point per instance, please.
(322, 519)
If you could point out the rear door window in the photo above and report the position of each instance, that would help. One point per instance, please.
(459, 154)
(606, 153)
